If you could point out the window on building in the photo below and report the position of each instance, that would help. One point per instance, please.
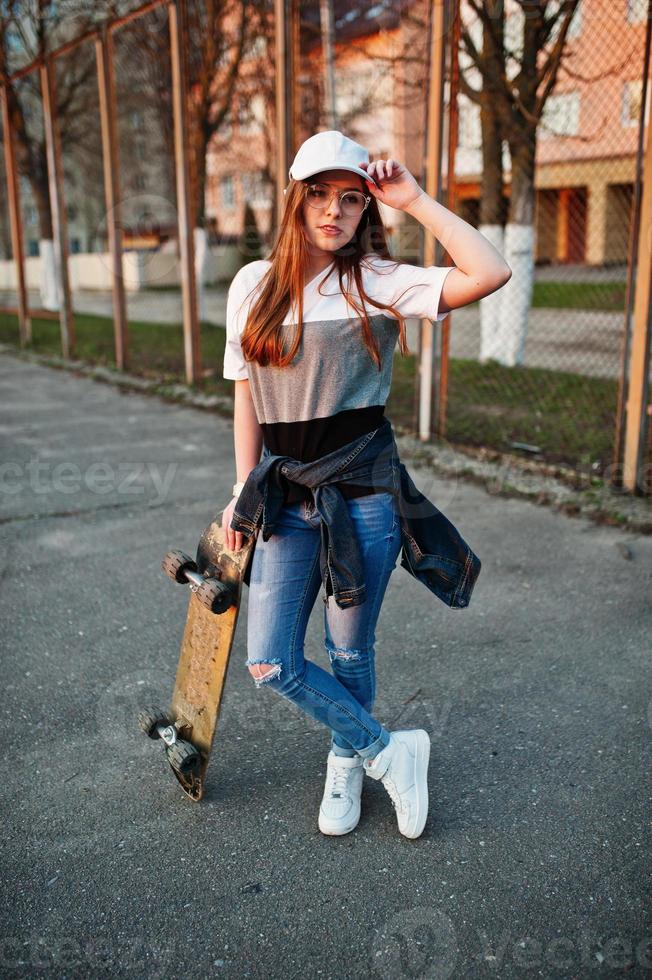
(355, 88)
(258, 111)
(227, 191)
(140, 182)
(75, 246)
(575, 26)
(136, 119)
(71, 212)
(255, 190)
(256, 47)
(243, 117)
(631, 103)
(32, 247)
(31, 215)
(224, 58)
(636, 11)
(307, 102)
(515, 25)
(251, 114)
(561, 116)
(469, 133)
(226, 127)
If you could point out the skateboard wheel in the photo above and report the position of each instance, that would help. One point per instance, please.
(150, 718)
(215, 595)
(176, 564)
(183, 757)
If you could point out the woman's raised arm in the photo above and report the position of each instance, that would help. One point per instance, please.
(479, 268)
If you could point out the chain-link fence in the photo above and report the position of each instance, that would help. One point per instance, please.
(546, 171)
(550, 180)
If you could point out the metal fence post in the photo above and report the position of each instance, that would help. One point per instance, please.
(111, 167)
(294, 66)
(440, 397)
(328, 43)
(15, 220)
(57, 205)
(178, 42)
(284, 102)
(641, 327)
(433, 184)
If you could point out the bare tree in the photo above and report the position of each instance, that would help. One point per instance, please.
(28, 32)
(406, 57)
(515, 84)
(217, 32)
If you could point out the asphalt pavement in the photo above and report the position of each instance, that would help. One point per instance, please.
(535, 858)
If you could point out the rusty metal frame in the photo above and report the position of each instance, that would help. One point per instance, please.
(178, 47)
(294, 59)
(15, 220)
(284, 48)
(440, 396)
(636, 423)
(632, 417)
(437, 57)
(102, 36)
(111, 165)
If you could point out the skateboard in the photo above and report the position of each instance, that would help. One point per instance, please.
(188, 728)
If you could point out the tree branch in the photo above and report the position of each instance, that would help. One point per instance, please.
(553, 61)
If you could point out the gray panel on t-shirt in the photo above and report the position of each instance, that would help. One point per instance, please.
(329, 374)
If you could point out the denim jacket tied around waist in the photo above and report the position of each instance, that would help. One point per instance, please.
(433, 551)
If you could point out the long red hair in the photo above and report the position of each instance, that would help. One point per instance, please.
(282, 285)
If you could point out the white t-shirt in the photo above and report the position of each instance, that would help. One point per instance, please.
(333, 391)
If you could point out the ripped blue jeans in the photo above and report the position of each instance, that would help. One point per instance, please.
(285, 581)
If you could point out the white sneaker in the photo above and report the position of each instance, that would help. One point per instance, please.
(340, 806)
(403, 768)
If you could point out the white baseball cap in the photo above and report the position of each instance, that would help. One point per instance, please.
(330, 150)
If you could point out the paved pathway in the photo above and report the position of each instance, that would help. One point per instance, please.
(537, 699)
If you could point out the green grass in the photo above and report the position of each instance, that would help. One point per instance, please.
(569, 416)
(606, 296)
(155, 349)
(579, 295)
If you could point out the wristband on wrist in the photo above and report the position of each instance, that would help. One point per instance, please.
(237, 488)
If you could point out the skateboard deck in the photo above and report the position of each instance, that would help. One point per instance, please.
(188, 728)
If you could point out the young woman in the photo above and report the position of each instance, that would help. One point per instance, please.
(311, 333)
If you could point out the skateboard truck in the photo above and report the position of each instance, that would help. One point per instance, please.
(182, 756)
(211, 592)
(168, 733)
